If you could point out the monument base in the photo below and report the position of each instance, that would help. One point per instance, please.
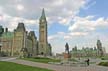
(67, 56)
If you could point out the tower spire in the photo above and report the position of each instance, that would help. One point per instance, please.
(43, 14)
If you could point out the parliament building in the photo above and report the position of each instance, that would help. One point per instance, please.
(97, 51)
(20, 42)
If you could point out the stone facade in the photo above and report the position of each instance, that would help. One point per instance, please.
(44, 48)
(19, 42)
(7, 45)
(23, 43)
(89, 52)
(32, 44)
(19, 39)
(84, 52)
(6, 40)
(100, 48)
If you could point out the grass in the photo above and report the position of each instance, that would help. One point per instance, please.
(41, 59)
(74, 60)
(103, 64)
(104, 58)
(8, 66)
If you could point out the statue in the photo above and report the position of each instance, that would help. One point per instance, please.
(67, 48)
(67, 54)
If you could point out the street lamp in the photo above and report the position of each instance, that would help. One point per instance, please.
(0, 48)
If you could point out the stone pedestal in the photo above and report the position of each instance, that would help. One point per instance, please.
(67, 56)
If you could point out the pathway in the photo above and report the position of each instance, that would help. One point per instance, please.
(60, 68)
(7, 58)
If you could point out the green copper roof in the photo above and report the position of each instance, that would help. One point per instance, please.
(43, 15)
(98, 42)
(1, 29)
(8, 35)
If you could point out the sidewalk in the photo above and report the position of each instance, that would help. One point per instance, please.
(60, 68)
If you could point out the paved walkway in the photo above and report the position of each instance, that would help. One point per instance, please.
(61, 68)
(7, 58)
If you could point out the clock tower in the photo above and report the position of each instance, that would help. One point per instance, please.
(43, 43)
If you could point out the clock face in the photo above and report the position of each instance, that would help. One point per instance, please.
(42, 20)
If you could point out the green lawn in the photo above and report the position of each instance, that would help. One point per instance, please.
(104, 58)
(103, 64)
(41, 59)
(73, 59)
(8, 66)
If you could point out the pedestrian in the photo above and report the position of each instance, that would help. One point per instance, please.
(88, 61)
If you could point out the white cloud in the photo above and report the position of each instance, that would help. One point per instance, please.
(78, 33)
(71, 35)
(54, 8)
(12, 22)
(63, 21)
(19, 7)
(57, 11)
(59, 2)
(29, 11)
(83, 32)
(66, 36)
(52, 37)
(87, 24)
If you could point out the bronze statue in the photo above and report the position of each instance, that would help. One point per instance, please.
(67, 48)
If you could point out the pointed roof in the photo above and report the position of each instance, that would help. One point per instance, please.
(20, 27)
(43, 15)
(98, 41)
(1, 30)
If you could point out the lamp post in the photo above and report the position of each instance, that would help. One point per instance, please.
(0, 49)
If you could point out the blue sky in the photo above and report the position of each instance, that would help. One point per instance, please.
(78, 22)
(95, 7)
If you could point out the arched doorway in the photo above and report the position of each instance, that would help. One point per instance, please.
(42, 53)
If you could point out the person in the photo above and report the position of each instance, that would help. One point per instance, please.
(88, 61)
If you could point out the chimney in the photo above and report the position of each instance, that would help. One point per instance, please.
(2, 30)
(6, 29)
